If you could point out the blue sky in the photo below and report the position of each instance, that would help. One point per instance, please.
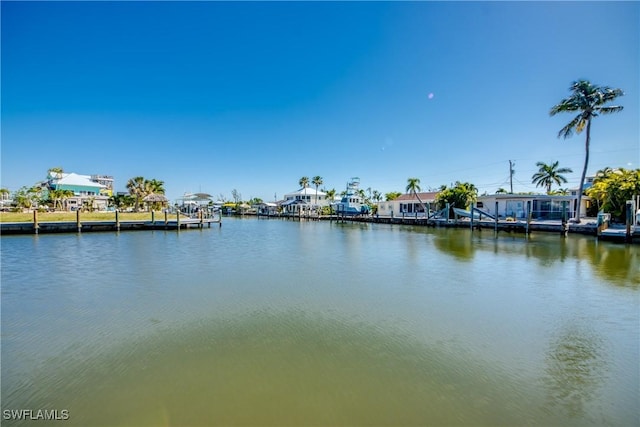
(216, 96)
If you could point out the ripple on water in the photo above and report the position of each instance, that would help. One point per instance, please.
(290, 368)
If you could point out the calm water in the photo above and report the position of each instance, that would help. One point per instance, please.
(287, 323)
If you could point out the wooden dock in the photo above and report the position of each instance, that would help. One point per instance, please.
(615, 234)
(7, 228)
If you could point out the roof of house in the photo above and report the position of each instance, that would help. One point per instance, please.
(294, 202)
(425, 197)
(79, 180)
(307, 191)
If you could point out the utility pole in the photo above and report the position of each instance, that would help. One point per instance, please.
(511, 172)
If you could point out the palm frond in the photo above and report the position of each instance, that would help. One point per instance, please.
(566, 105)
(567, 131)
(610, 110)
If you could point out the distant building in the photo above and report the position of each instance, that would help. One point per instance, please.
(542, 206)
(408, 205)
(92, 189)
(304, 199)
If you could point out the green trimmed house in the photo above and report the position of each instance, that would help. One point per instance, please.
(94, 190)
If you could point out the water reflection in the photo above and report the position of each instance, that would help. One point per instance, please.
(457, 243)
(615, 263)
(575, 370)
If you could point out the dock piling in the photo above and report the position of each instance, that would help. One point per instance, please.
(78, 223)
(35, 221)
(528, 216)
(629, 220)
(564, 230)
(496, 221)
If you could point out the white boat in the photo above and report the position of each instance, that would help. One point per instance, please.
(352, 203)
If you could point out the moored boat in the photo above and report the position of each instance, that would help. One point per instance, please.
(352, 202)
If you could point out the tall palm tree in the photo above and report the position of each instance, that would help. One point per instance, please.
(588, 100)
(331, 194)
(136, 187)
(304, 182)
(413, 186)
(317, 181)
(549, 174)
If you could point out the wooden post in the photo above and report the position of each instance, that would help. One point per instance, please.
(565, 228)
(528, 214)
(78, 223)
(35, 221)
(153, 217)
(448, 212)
(117, 220)
(629, 216)
(496, 221)
(471, 217)
(178, 220)
(166, 218)
(201, 217)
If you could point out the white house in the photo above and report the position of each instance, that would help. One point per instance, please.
(542, 206)
(304, 199)
(408, 205)
(93, 189)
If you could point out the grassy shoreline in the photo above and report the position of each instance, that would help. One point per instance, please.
(84, 216)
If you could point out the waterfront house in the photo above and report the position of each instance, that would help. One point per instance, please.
(542, 206)
(304, 199)
(267, 208)
(87, 189)
(408, 205)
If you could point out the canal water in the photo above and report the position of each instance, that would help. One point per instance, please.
(271, 322)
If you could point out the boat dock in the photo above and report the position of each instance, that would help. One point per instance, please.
(611, 233)
(36, 227)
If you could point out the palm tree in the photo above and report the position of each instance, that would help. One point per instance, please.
(154, 186)
(54, 198)
(588, 100)
(59, 197)
(317, 181)
(331, 194)
(392, 195)
(304, 182)
(56, 172)
(548, 174)
(136, 187)
(501, 191)
(413, 186)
